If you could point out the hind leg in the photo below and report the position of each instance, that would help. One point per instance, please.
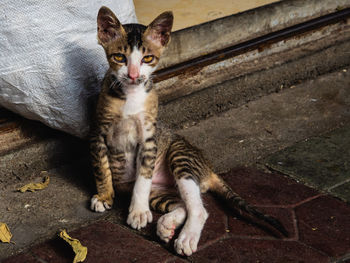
(191, 173)
(189, 236)
(165, 201)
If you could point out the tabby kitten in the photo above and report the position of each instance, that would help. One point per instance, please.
(130, 153)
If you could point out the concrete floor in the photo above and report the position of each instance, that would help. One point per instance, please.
(238, 137)
(245, 135)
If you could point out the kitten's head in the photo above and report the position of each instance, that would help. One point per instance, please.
(133, 50)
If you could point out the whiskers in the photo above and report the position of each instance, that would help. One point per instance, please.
(115, 83)
(150, 78)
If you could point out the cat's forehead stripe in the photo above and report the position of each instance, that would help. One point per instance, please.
(134, 34)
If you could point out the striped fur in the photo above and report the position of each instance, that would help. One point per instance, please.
(122, 143)
(130, 152)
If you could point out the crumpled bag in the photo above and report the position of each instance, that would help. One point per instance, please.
(50, 63)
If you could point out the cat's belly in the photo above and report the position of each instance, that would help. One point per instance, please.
(161, 174)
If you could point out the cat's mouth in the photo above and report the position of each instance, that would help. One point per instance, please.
(127, 82)
(133, 82)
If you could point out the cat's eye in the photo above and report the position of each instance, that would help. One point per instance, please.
(120, 58)
(148, 59)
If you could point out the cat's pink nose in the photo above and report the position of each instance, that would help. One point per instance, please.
(134, 72)
(133, 76)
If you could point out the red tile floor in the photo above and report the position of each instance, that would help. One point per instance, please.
(319, 227)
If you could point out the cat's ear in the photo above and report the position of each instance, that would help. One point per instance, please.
(159, 30)
(108, 26)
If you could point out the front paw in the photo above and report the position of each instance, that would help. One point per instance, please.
(139, 217)
(187, 242)
(99, 204)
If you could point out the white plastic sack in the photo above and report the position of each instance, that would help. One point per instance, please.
(50, 62)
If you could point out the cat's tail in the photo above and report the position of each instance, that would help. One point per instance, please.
(236, 203)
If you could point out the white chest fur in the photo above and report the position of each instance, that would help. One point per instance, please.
(135, 100)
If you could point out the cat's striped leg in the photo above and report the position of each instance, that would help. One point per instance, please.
(189, 168)
(105, 193)
(118, 165)
(139, 212)
(164, 201)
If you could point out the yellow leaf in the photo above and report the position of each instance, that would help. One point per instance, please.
(79, 250)
(36, 186)
(5, 234)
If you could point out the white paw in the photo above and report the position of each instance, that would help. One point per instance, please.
(98, 206)
(166, 228)
(167, 223)
(188, 239)
(187, 243)
(138, 218)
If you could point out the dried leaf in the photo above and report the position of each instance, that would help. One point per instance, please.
(5, 234)
(79, 250)
(36, 186)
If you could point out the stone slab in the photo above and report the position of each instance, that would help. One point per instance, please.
(324, 224)
(321, 162)
(342, 191)
(23, 258)
(272, 251)
(267, 189)
(106, 242)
